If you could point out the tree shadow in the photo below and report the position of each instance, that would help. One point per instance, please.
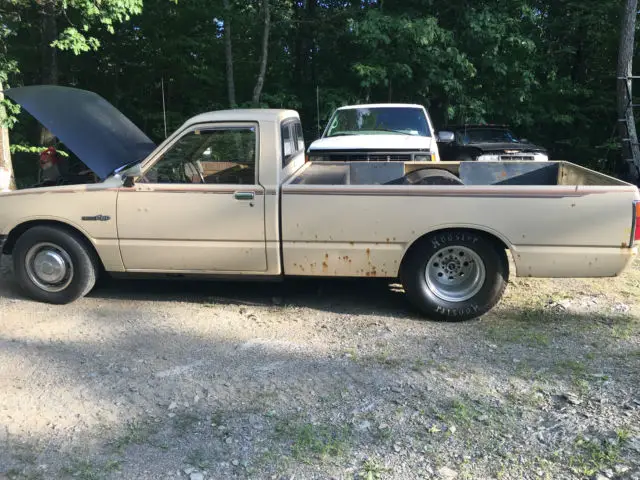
(158, 396)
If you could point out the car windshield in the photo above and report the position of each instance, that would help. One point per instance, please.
(393, 120)
(484, 135)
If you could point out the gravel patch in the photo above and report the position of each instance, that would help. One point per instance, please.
(317, 380)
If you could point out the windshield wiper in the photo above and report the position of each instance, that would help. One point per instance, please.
(390, 130)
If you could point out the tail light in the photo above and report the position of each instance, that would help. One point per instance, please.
(636, 221)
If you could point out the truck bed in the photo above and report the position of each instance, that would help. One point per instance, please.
(556, 218)
(552, 173)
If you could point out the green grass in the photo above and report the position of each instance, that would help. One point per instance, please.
(514, 334)
(309, 442)
(87, 470)
(136, 433)
(594, 455)
(371, 470)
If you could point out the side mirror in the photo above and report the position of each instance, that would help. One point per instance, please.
(128, 182)
(129, 174)
(446, 137)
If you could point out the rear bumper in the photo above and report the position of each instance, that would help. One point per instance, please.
(572, 262)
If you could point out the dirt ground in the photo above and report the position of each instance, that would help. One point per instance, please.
(319, 380)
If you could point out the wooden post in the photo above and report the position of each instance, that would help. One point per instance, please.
(7, 181)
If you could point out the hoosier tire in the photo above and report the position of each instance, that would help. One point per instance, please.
(456, 275)
(53, 265)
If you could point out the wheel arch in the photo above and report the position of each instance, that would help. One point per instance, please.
(498, 240)
(21, 228)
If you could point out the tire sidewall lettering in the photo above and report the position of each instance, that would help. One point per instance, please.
(458, 312)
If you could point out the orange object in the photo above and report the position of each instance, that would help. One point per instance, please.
(49, 158)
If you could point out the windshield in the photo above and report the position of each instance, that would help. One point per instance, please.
(394, 120)
(484, 135)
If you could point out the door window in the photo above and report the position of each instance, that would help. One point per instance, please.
(210, 156)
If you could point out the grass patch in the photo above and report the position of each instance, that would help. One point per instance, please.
(573, 367)
(20, 474)
(384, 358)
(198, 458)
(594, 455)
(88, 470)
(518, 335)
(371, 470)
(136, 433)
(311, 442)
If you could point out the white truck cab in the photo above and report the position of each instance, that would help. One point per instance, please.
(378, 132)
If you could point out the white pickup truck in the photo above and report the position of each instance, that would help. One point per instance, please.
(379, 133)
(229, 194)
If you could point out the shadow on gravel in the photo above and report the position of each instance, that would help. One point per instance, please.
(342, 296)
(265, 406)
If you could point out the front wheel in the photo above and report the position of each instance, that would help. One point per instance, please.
(455, 276)
(53, 265)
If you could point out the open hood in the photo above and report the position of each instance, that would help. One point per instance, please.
(98, 133)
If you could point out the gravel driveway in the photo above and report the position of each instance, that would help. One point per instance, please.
(319, 379)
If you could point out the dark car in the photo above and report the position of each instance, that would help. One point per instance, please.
(488, 143)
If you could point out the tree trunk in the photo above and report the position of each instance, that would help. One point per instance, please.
(49, 65)
(231, 86)
(7, 181)
(257, 91)
(630, 147)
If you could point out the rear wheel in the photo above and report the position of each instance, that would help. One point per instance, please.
(455, 275)
(53, 265)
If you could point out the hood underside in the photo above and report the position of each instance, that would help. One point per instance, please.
(93, 129)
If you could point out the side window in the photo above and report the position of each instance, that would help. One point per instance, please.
(292, 141)
(216, 155)
(299, 136)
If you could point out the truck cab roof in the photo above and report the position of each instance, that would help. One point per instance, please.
(243, 114)
(381, 105)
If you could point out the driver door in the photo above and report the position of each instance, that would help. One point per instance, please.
(198, 206)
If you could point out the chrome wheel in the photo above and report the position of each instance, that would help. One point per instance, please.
(49, 267)
(455, 274)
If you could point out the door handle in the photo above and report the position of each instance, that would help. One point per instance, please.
(244, 195)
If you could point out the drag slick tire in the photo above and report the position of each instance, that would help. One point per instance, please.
(455, 275)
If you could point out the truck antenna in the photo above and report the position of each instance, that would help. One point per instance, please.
(164, 111)
(318, 107)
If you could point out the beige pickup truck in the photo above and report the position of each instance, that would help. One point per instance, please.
(230, 194)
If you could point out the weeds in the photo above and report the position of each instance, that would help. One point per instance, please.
(87, 470)
(136, 433)
(311, 441)
(371, 470)
(594, 455)
(198, 459)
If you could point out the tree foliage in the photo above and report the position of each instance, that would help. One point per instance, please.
(547, 67)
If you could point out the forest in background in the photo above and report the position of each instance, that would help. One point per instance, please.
(546, 67)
